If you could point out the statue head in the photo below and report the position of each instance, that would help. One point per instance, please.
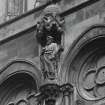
(50, 25)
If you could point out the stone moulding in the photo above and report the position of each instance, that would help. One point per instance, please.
(73, 68)
(25, 78)
(89, 34)
(22, 68)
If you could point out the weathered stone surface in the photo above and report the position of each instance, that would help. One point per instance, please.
(20, 47)
(85, 13)
(73, 32)
(22, 42)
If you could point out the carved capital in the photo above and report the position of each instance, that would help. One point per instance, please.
(67, 89)
(49, 93)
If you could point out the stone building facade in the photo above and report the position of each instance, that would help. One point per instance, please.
(12, 8)
(82, 63)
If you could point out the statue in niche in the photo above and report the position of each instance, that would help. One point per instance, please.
(49, 35)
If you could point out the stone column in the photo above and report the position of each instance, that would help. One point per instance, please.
(67, 94)
(66, 100)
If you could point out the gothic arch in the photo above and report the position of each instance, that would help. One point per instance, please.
(85, 62)
(19, 81)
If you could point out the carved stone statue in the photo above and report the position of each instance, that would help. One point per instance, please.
(49, 35)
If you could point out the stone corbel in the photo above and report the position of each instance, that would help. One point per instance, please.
(50, 93)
